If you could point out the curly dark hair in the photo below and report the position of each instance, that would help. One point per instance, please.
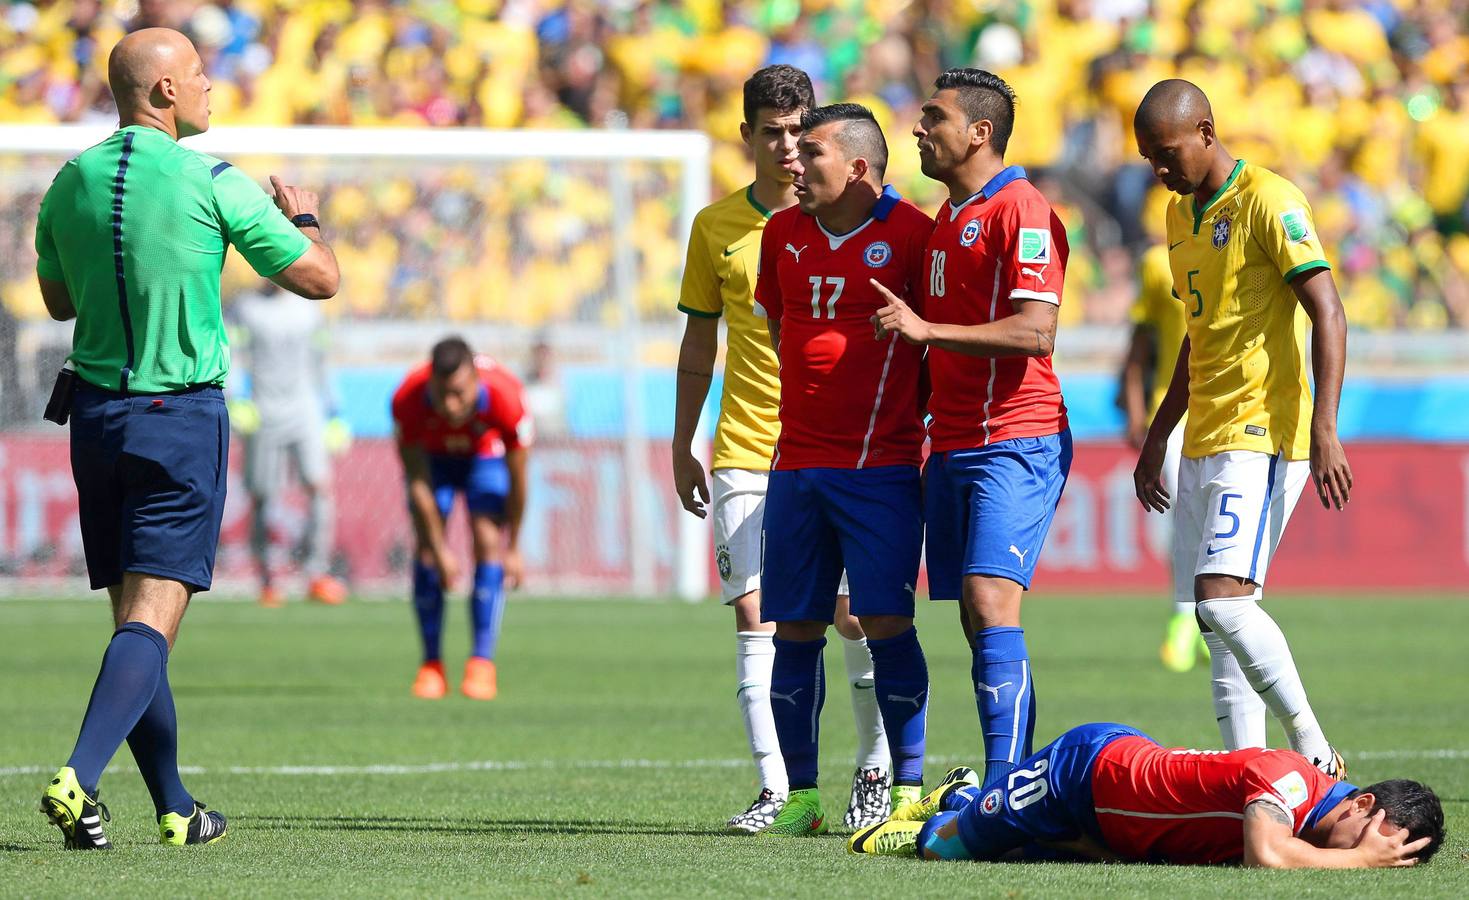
(783, 88)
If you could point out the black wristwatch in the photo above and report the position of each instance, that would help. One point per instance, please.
(305, 220)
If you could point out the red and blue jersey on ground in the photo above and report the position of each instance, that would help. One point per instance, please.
(1142, 801)
(847, 400)
(1001, 246)
(500, 422)
(1187, 806)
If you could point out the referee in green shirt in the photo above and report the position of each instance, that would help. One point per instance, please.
(131, 238)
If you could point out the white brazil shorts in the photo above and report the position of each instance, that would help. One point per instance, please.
(1232, 510)
(737, 505)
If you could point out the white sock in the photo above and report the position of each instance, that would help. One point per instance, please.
(1258, 643)
(1183, 607)
(872, 742)
(1240, 711)
(753, 662)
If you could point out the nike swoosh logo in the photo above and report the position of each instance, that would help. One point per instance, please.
(863, 687)
(1170, 247)
(733, 250)
(1211, 551)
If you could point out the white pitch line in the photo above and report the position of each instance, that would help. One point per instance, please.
(572, 765)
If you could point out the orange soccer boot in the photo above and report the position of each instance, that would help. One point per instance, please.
(430, 684)
(328, 590)
(479, 679)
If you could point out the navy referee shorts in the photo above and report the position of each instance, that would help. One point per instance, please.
(150, 472)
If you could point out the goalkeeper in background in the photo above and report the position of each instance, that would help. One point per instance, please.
(287, 420)
(1152, 353)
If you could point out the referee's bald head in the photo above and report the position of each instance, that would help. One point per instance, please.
(157, 79)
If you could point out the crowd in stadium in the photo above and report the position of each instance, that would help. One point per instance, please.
(1365, 103)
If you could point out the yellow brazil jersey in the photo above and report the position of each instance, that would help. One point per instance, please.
(1157, 309)
(1232, 261)
(719, 279)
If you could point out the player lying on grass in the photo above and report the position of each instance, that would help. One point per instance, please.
(1111, 793)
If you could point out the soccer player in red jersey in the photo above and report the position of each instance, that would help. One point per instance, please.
(1109, 792)
(1001, 445)
(844, 489)
(463, 427)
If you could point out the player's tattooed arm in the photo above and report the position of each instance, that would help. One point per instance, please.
(1270, 842)
(1269, 810)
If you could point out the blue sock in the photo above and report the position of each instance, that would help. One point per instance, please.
(957, 799)
(1003, 693)
(428, 602)
(901, 676)
(928, 839)
(797, 692)
(125, 687)
(155, 745)
(486, 605)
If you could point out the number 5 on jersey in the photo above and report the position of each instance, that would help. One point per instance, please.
(831, 305)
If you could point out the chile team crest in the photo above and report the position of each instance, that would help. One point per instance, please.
(1221, 232)
(877, 254)
(970, 234)
(991, 802)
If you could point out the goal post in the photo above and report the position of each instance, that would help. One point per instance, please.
(556, 252)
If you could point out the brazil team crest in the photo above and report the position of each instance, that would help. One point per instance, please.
(990, 804)
(877, 254)
(970, 234)
(721, 557)
(1221, 232)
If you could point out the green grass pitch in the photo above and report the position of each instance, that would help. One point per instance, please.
(615, 752)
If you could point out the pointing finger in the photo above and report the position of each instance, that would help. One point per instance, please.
(276, 184)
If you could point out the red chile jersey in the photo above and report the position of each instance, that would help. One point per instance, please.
(500, 421)
(1187, 806)
(847, 400)
(1002, 245)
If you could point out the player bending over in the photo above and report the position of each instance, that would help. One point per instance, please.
(1109, 792)
(719, 282)
(1001, 443)
(1246, 261)
(462, 428)
(844, 488)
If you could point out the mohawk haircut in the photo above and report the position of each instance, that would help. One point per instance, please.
(983, 95)
(449, 356)
(780, 87)
(859, 135)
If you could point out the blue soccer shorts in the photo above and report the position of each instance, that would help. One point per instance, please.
(483, 480)
(818, 520)
(988, 509)
(150, 474)
(1048, 797)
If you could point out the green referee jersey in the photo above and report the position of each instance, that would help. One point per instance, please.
(137, 227)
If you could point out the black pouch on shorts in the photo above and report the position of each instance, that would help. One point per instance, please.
(58, 408)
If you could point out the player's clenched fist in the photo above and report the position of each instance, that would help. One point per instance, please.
(292, 201)
(898, 318)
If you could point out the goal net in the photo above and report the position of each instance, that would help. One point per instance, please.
(556, 253)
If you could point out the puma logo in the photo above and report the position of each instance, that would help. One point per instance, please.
(992, 691)
(1016, 550)
(789, 698)
(917, 699)
(797, 253)
(1038, 274)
